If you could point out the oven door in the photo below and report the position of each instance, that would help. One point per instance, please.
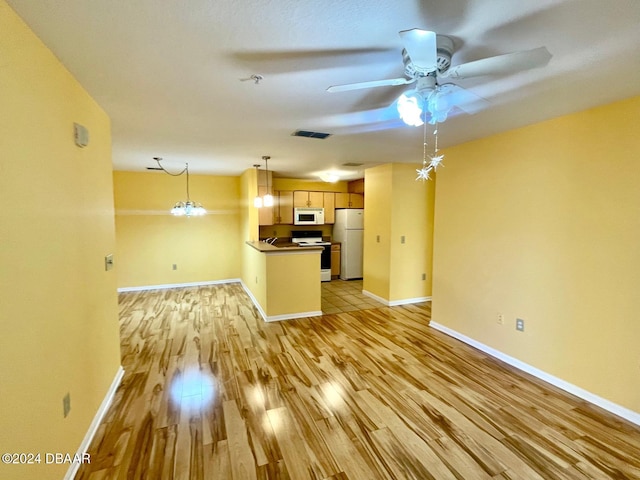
(325, 258)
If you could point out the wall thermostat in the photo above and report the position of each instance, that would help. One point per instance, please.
(80, 135)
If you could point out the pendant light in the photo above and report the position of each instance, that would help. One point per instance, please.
(267, 200)
(257, 201)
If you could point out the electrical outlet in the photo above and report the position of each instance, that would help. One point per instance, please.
(175, 266)
(402, 239)
(500, 319)
(66, 404)
(424, 276)
(520, 324)
(378, 238)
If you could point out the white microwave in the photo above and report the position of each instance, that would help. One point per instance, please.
(308, 216)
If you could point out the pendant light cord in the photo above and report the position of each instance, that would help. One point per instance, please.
(424, 135)
(184, 170)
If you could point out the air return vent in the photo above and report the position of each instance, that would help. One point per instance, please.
(308, 134)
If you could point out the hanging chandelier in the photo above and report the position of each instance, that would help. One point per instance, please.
(187, 208)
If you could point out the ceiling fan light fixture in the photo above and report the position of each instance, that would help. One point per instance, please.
(409, 108)
(438, 106)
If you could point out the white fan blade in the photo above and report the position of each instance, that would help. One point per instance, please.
(465, 100)
(421, 47)
(502, 64)
(374, 83)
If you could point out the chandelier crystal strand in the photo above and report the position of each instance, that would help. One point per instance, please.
(423, 173)
(436, 160)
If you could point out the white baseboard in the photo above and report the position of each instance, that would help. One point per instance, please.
(395, 303)
(277, 318)
(291, 316)
(97, 419)
(630, 415)
(177, 285)
(253, 300)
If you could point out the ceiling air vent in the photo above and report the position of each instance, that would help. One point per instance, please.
(308, 134)
(352, 164)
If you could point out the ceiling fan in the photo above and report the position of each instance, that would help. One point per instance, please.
(427, 61)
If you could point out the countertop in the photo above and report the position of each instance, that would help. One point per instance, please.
(283, 247)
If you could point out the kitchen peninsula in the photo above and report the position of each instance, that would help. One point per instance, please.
(284, 282)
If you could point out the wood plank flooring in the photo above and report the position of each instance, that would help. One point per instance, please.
(212, 392)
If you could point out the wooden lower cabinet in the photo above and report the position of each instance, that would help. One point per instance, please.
(335, 260)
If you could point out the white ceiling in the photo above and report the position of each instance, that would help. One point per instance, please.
(173, 75)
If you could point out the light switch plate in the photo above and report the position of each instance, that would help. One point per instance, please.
(108, 262)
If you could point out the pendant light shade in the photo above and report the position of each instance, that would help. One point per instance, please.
(267, 199)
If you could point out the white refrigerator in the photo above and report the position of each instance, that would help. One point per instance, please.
(349, 231)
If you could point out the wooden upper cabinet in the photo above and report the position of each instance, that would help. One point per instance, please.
(329, 207)
(304, 198)
(356, 186)
(356, 200)
(311, 199)
(283, 213)
(349, 200)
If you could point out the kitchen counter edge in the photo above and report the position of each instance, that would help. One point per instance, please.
(267, 248)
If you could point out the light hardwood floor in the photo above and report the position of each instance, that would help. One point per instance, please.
(213, 392)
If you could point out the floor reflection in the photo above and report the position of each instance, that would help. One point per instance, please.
(193, 389)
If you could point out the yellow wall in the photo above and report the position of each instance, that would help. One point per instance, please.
(291, 294)
(150, 240)
(396, 205)
(283, 283)
(377, 231)
(251, 261)
(255, 275)
(543, 223)
(59, 306)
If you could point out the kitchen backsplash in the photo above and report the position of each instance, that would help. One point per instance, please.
(283, 231)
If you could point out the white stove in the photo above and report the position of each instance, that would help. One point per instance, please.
(309, 242)
(310, 238)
